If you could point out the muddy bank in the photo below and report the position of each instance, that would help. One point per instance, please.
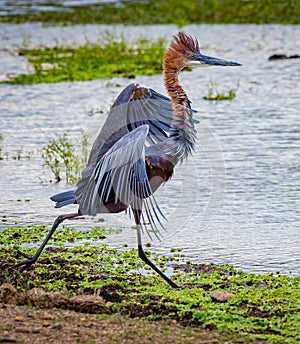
(108, 290)
(31, 325)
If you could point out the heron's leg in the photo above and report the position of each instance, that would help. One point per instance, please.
(143, 256)
(31, 260)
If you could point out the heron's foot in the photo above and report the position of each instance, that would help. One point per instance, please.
(22, 254)
(26, 263)
(173, 285)
(143, 256)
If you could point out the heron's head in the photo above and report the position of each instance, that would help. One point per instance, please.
(184, 51)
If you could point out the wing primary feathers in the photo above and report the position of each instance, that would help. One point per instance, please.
(144, 227)
(151, 221)
(120, 176)
(154, 207)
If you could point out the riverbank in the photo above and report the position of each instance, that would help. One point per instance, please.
(35, 325)
(168, 12)
(114, 285)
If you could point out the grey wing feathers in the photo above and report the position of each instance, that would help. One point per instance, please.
(64, 198)
(107, 174)
(128, 113)
(118, 152)
(121, 172)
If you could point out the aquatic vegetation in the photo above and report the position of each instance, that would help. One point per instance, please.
(214, 94)
(170, 12)
(110, 57)
(15, 235)
(61, 154)
(19, 154)
(262, 307)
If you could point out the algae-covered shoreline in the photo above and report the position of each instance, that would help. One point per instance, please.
(94, 278)
(109, 57)
(169, 12)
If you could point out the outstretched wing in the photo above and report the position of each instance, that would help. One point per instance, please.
(120, 179)
(134, 106)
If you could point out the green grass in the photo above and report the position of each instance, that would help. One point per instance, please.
(109, 58)
(263, 307)
(214, 95)
(172, 12)
(59, 155)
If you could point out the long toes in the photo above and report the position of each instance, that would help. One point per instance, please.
(24, 265)
(22, 254)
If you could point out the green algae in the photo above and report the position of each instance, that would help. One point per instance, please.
(110, 57)
(60, 155)
(214, 95)
(170, 12)
(263, 307)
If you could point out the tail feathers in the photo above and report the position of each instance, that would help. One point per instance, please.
(64, 198)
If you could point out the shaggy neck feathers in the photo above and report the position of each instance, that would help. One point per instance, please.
(183, 132)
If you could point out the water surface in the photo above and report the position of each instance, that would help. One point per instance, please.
(236, 201)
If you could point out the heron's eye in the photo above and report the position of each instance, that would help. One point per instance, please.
(192, 57)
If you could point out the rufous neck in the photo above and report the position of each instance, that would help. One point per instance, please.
(173, 86)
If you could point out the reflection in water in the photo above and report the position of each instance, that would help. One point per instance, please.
(256, 226)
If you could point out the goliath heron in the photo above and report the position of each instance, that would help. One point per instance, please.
(145, 135)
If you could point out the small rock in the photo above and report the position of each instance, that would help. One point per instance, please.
(36, 330)
(283, 57)
(92, 334)
(47, 317)
(19, 318)
(221, 296)
(23, 330)
(109, 304)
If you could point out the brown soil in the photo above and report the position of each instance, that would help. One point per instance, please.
(56, 318)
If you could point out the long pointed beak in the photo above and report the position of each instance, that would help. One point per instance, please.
(203, 60)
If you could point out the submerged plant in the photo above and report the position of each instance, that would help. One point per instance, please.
(214, 94)
(60, 155)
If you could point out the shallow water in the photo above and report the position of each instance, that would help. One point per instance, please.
(236, 201)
